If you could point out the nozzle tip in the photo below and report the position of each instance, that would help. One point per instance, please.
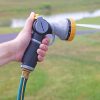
(73, 29)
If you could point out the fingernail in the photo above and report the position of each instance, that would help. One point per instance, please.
(32, 15)
(47, 40)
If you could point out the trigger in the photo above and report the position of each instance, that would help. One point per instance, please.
(52, 39)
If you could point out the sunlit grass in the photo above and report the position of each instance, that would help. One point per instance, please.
(70, 71)
(17, 8)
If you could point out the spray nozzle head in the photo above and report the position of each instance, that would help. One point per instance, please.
(64, 29)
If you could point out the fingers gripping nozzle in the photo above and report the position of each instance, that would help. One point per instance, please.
(41, 27)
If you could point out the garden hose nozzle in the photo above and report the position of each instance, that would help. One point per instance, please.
(40, 28)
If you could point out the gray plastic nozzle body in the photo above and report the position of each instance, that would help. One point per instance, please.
(61, 29)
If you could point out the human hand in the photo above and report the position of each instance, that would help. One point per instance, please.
(24, 37)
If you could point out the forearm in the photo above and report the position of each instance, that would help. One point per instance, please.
(7, 52)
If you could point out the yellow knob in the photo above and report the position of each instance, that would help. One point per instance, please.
(36, 16)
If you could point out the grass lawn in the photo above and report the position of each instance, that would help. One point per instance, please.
(70, 71)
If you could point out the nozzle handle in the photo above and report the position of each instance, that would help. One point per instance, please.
(40, 29)
(30, 59)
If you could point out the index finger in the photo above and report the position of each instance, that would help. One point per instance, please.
(46, 41)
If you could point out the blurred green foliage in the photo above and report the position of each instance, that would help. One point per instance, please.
(21, 8)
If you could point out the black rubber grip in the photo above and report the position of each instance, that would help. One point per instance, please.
(30, 57)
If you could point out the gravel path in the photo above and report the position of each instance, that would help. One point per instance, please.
(7, 37)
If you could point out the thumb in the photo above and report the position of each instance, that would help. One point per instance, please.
(29, 22)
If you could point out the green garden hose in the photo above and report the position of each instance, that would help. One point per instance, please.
(22, 85)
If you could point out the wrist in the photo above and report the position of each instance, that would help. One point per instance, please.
(7, 51)
(19, 50)
(15, 51)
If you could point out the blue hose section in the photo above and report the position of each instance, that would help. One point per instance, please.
(21, 89)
